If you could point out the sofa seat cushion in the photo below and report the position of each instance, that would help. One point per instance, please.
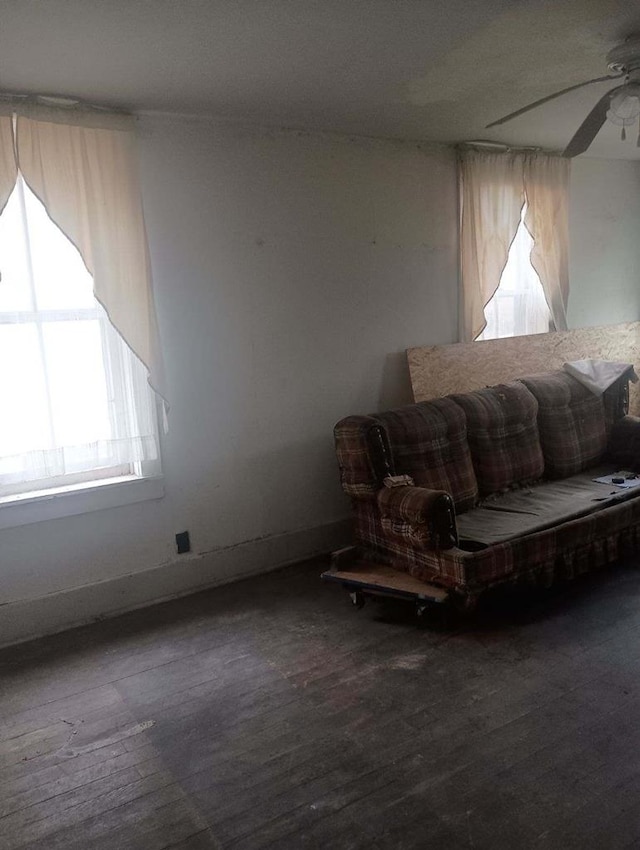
(533, 509)
(428, 441)
(502, 431)
(571, 422)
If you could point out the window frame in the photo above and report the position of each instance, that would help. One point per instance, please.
(77, 499)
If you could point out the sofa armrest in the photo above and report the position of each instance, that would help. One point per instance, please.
(624, 443)
(418, 516)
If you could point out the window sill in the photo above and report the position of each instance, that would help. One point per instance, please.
(43, 505)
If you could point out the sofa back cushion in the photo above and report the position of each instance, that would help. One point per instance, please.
(358, 456)
(571, 421)
(428, 441)
(503, 436)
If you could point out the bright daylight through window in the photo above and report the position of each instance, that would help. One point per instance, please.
(519, 306)
(76, 406)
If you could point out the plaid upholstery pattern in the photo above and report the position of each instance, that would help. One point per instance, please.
(428, 441)
(564, 551)
(355, 442)
(410, 504)
(503, 436)
(571, 423)
(616, 402)
(417, 514)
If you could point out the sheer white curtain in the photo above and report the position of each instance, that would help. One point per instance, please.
(494, 190)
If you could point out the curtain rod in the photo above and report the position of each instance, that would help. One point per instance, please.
(58, 101)
(486, 144)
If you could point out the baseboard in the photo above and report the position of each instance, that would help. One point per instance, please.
(44, 615)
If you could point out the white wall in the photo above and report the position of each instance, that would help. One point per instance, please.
(605, 242)
(292, 270)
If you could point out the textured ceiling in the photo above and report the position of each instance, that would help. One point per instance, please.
(420, 69)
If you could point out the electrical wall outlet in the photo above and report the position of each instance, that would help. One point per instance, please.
(183, 543)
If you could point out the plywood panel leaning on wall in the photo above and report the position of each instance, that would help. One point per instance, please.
(439, 370)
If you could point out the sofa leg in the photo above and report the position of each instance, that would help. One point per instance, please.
(464, 603)
(422, 610)
(357, 599)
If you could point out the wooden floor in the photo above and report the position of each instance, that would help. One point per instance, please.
(272, 714)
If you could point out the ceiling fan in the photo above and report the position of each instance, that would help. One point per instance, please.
(621, 104)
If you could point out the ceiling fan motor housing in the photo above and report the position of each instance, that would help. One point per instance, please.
(625, 58)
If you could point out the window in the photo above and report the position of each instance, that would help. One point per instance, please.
(518, 306)
(495, 185)
(76, 406)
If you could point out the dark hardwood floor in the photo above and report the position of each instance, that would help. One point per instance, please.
(271, 714)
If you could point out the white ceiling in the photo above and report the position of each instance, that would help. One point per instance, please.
(419, 69)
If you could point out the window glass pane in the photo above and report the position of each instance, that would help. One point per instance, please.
(77, 382)
(60, 277)
(24, 420)
(74, 399)
(14, 281)
(519, 274)
(519, 306)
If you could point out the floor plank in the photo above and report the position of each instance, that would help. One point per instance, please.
(270, 714)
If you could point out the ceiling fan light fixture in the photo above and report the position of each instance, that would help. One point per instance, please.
(624, 108)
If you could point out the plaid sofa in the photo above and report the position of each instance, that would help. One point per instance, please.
(417, 474)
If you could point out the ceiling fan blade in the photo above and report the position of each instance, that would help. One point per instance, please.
(590, 127)
(550, 97)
